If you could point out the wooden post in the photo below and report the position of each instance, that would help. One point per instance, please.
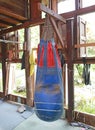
(29, 84)
(70, 70)
(54, 5)
(34, 11)
(3, 45)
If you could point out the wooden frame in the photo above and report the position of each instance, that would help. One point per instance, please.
(89, 119)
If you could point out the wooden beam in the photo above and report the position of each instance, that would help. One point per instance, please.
(23, 25)
(84, 45)
(3, 53)
(57, 32)
(59, 36)
(29, 81)
(16, 98)
(1, 95)
(7, 23)
(9, 19)
(7, 78)
(54, 5)
(8, 41)
(81, 11)
(2, 25)
(85, 118)
(10, 13)
(89, 60)
(34, 11)
(51, 12)
(69, 27)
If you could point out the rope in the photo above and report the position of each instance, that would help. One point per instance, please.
(48, 32)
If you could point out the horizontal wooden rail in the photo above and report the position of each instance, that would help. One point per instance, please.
(84, 45)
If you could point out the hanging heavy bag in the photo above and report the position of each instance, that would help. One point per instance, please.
(48, 95)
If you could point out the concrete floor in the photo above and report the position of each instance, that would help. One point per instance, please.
(34, 123)
(10, 119)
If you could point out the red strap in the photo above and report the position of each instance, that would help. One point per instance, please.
(50, 56)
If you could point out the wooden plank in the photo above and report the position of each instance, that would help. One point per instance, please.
(8, 12)
(24, 25)
(7, 23)
(2, 25)
(54, 5)
(58, 35)
(57, 31)
(69, 27)
(16, 98)
(1, 95)
(8, 19)
(89, 60)
(84, 45)
(18, 7)
(51, 12)
(29, 83)
(9, 41)
(35, 13)
(3, 52)
(81, 11)
(15, 3)
(85, 118)
(7, 78)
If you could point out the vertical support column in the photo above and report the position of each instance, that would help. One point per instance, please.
(35, 13)
(54, 5)
(3, 46)
(29, 90)
(78, 5)
(70, 70)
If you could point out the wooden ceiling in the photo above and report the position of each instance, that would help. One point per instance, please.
(12, 12)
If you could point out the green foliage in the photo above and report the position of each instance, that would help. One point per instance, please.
(21, 35)
(18, 66)
(35, 36)
(84, 94)
(78, 72)
(22, 93)
(86, 105)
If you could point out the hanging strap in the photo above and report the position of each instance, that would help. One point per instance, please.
(47, 31)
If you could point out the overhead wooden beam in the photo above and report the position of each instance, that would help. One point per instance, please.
(6, 22)
(10, 13)
(9, 19)
(24, 25)
(81, 11)
(51, 12)
(3, 25)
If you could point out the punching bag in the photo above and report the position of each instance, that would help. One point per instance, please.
(48, 95)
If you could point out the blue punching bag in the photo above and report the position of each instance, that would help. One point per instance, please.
(48, 96)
